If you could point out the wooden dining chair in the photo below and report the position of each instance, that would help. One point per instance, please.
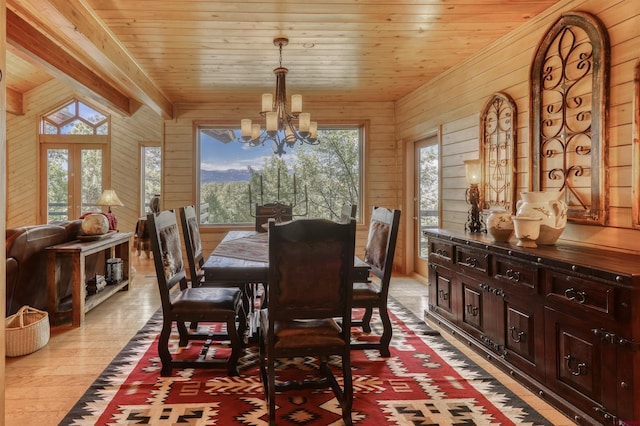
(278, 211)
(348, 212)
(379, 254)
(181, 303)
(192, 244)
(195, 258)
(310, 285)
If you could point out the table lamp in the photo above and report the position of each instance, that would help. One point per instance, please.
(110, 198)
(472, 171)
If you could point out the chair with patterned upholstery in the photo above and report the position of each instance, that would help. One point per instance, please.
(182, 303)
(379, 254)
(309, 294)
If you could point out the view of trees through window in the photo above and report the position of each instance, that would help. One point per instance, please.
(235, 177)
(151, 165)
(428, 193)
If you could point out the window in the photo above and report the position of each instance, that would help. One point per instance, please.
(73, 148)
(234, 177)
(151, 167)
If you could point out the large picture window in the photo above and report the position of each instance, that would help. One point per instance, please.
(234, 177)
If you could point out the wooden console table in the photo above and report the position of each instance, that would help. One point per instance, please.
(116, 245)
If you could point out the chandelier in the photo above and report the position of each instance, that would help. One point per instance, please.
(280, 129)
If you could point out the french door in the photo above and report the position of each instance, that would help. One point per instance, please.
(426, 198)
(72, 179)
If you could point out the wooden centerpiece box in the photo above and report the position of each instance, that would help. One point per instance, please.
(564, 320)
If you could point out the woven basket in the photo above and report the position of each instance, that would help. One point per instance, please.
(26, 331)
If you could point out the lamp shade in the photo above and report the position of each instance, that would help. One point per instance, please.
(109, 198)
(472, 171)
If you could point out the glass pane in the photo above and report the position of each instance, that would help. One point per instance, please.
(57, 184)
(49, 129)
(428, 193)
(91, 184)
(103, 129)
(152, 170)
(90, 114)
(63, 114)
(77, 127)
(234, 177)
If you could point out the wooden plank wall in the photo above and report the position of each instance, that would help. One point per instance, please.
(22, 154)
(454, 100)
(383, 184)
(3, 196)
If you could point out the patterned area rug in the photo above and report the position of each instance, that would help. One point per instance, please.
(426, 381)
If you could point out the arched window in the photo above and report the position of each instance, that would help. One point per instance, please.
(569, 84)
(74, 160)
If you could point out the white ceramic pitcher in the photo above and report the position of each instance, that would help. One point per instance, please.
(547, 206)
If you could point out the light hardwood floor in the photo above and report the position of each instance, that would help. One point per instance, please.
(42, 387)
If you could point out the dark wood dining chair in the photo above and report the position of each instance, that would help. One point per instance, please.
(195, 257)
(192, 244)
(278, 211)
(379, 254)
(348, 212)
(310, 285)
(182, 303)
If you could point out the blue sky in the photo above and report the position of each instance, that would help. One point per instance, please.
(216, 155)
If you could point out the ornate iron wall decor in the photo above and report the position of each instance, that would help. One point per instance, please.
(569, 96)
(636, 149)
(498, 152)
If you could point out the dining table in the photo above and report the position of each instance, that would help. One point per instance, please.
(242, 258)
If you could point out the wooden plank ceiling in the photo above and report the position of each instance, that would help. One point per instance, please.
(163, 52)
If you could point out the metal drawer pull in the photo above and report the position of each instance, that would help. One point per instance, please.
(604, 335)
(516, 337)
(575, 296)
(442, 253)
(513, 275)
(471, 261)
(581, 367)
(443, 295)
(472, 310)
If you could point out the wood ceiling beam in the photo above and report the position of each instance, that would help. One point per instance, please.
(79, 23)
(14, 102)
(59, 63)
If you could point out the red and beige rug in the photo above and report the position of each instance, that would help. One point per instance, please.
(426, 381)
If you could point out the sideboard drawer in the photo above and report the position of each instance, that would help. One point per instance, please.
(574, 292)
(442, 249)
(472, 259)
(522, 275)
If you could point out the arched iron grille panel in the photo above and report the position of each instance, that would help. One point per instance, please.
(498, 152)
(569, 107)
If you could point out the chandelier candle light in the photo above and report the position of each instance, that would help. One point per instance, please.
(280, 129)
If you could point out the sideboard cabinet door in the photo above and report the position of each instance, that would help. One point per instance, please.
(443, 291)
(578, 366)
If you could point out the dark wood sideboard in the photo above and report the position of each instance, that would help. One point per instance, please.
(564, 320)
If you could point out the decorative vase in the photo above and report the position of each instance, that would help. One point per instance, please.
(499, 224)
(546, 206)
(527, 230)
(95, 224)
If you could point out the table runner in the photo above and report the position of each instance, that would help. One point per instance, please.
(254, 247)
